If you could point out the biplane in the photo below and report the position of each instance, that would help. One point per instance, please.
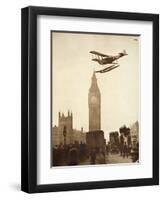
(104, 59)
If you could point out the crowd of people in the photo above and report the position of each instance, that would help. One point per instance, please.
(70, 154)
(75, 154)
(97, 156)
(122, 145)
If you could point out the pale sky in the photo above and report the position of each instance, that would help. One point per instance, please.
(72, 69)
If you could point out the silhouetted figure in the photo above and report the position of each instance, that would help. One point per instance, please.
(108, 148)
(93, 156)
(100, 157)
(135, 153)
(73, 156)
(121, 144)
(55, 156)
(125, 150)
(81, 152)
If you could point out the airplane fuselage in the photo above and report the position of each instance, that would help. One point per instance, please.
(108, 60)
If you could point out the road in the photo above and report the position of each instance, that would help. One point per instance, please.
(116, 158)
(111, 159)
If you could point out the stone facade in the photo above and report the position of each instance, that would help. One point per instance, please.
(94, 104)
(79, 136)
(65, 126)
(64, 132)
(95, 136)
(95, 139)
(134, 131)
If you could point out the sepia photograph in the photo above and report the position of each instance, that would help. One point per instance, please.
(95, 98)
(90, 99)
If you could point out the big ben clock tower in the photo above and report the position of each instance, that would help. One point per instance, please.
(94, 103)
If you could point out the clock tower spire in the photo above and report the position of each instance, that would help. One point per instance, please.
(94, 104)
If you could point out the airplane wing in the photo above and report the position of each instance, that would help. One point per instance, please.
(99, 54)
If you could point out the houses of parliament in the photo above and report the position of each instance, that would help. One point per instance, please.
(64, 132)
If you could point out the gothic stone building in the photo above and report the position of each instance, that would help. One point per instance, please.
(134, 131)
(64, 132)
(95, 136)
(94, 104)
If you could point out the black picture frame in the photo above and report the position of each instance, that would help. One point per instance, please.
(29, 99)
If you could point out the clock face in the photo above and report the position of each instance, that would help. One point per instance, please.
(93, 99)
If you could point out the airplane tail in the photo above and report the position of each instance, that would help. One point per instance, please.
(124, 52)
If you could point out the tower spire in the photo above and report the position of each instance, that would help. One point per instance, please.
(94, 77)
(94, 86)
